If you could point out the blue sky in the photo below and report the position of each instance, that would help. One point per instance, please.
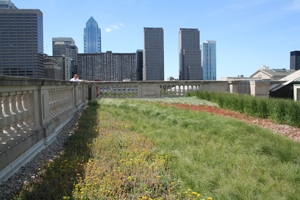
(249, 33)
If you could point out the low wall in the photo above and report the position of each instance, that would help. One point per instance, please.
(31, 115)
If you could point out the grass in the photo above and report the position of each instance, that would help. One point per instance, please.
(192, 100)
(282, 111)
(127, 148)
(216, 156)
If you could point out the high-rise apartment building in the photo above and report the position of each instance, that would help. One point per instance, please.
(153, 55)
(66, 46)
(209, 60)
(107, 66)
(21, 43)
(92, 37)
(7, 4)
(189, 54)
(295, 60)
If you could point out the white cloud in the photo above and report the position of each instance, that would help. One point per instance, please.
(112, 27)
(295, 5)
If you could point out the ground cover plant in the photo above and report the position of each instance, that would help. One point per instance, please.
(279, 110)
(126, 148)
(104, 159)
(215, 156)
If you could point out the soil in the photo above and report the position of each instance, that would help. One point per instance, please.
(289, 131)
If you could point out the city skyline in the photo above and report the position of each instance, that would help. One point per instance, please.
(262, 32)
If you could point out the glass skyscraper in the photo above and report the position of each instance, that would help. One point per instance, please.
(189, 54)
(92, 37)
(21, 43)
(209, 60)
(153, 65)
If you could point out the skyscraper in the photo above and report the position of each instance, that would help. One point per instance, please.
(295, 60)
(189, 54)
(21, 43)
(153, 55)
(7, 4)
(92, 37)
(66, 46)
(209, 60)
(139, 65)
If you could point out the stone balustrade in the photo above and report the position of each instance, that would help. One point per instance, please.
(33, 111)
(154, 89)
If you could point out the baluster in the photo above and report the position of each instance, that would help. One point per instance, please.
(183, 90)
(9, 118)
(52, 99)
(27, 110)
(22, 113)
(125, 91)
(15, 113)
(4, 135)
(131, 95)
(162, 91)
(113, 93)
(54, 102)
(60, 102)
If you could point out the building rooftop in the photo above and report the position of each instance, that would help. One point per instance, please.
(275, 72)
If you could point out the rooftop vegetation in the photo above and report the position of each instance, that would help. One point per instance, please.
(126, 148)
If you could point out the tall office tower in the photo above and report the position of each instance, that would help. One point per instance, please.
(66, 64)
(21, 43)
(92, 37)
(295, 60)
(7, 4)
(209, 60)
(107, 66)
(66, 46)
(189, 54)
(52, 69)
(139, 65)
(153, 55)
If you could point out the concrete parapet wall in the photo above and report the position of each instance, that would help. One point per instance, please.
(260, 88)
(31, 112)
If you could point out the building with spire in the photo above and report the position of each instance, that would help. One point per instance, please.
(92, 37)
